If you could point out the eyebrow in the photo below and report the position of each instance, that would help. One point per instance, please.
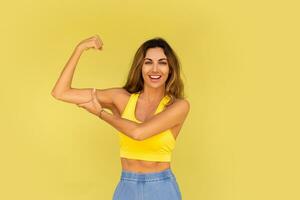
(158, 59)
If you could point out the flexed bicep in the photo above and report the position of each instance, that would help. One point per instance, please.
(83, 95)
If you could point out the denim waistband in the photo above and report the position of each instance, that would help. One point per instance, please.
(147, 176)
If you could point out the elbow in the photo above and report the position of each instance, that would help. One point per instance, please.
(52, 93)
(55, 95)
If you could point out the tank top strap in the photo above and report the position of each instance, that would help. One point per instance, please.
(130, 106)
(162, 104)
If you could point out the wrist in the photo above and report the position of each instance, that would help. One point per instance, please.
(79, 48)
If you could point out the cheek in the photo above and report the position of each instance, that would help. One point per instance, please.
(146, 69)
(165, 69)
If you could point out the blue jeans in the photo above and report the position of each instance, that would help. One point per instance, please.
(147, 186)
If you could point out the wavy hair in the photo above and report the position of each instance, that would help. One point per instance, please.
(174, 87)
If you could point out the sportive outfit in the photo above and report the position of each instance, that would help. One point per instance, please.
(160, 185)
(156, 148)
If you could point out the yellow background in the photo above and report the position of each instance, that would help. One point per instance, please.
(240, 61)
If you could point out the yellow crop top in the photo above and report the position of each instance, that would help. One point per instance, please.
(155, 148)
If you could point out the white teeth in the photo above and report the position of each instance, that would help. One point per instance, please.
(157, 77)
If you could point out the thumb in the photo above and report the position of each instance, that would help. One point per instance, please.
(94, 93)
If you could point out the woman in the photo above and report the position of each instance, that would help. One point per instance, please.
(148, 113)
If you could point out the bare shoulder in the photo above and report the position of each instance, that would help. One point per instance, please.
(179, 107)
(184, 102)
(121, 99)
(180, 103)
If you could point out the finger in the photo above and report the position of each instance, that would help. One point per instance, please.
(94, 93)
(99, 40)
(98, 44)
(95, 98)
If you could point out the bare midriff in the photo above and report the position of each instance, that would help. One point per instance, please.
(133, 165)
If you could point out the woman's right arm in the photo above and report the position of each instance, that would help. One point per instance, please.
(64, 82)
(63, 88)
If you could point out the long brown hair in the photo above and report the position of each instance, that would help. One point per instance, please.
(174, 87)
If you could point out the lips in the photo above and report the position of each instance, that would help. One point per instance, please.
(155, 77)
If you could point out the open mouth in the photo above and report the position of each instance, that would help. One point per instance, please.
(154, 77)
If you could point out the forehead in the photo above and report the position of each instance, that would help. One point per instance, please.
(155, 53)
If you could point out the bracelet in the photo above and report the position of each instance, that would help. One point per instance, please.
(102, 109)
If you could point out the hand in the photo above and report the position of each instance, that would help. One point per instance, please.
(92, 42)
(93, 105)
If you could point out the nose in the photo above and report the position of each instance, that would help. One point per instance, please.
(155, 67)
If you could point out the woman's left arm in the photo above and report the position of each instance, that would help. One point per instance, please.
(168, 118)
(94, 106)
(123, 125)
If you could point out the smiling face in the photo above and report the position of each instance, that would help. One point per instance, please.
(155, 69)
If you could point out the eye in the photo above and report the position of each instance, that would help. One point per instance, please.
(164, 63)
(147, 62)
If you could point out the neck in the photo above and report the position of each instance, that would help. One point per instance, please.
(152, 94)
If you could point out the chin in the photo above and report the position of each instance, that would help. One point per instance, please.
(155, 85)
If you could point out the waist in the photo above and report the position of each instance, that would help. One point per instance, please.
(148, 176)
(143, 165)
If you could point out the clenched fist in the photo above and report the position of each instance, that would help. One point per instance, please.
(93, 42)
